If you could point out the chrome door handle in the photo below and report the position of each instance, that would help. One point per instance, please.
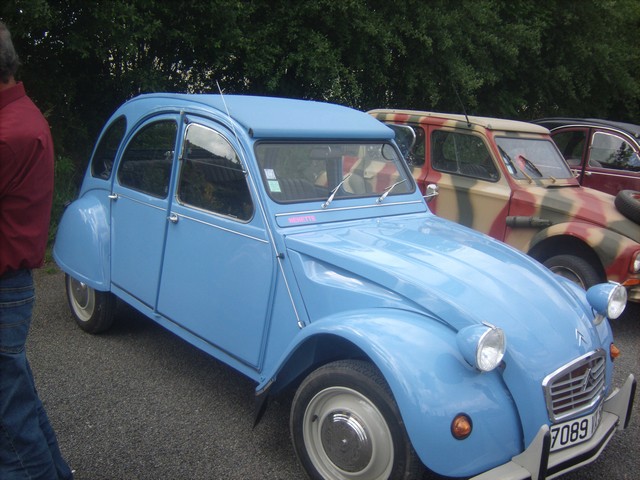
(113, 196)
(173, 218)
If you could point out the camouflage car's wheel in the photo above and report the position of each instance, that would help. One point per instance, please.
(93, 310)
(573, 268)
(628, 203)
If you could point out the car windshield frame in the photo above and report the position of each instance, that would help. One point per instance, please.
(326, 171)
(529, 158)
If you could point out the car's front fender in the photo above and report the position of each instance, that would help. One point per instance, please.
(430, 381)
(82, 247)
(614, 250)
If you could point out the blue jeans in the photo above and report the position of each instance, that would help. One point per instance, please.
(28, 445)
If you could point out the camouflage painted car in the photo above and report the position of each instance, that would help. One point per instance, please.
(508, 179)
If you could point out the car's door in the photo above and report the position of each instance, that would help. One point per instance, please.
(471, 190)
(613, 163)
(219, 266)
(140, 199)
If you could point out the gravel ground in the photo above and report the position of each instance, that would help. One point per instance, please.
(139, 403)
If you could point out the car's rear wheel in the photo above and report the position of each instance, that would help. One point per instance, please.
(574, 268)
(93, 310)
(345, 425)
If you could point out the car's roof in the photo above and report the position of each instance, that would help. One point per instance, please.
(270, 117)
(461, 121)
(555, 122)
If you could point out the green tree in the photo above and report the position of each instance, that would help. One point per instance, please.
(517, 59)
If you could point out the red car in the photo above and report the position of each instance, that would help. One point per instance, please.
(603, 155)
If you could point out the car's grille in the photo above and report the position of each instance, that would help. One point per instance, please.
(576, 387)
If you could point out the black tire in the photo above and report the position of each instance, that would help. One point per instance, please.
(345, 425)
(628, 203)
(576, 269)
(93, 311)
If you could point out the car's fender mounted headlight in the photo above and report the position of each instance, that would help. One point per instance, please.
(607, 300)
(482, 346)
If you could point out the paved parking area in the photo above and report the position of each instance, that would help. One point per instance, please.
(139, 403)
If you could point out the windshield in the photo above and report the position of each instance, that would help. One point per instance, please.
(530, 158)
(302, 172)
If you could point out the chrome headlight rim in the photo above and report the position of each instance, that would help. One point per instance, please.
(607, 300)
(492, 342)
(482, 345)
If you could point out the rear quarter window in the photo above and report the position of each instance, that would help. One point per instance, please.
(105, 154)
(146, 162)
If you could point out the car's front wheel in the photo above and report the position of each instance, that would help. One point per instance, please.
(93, 310)
(574, 268)
(345, 425)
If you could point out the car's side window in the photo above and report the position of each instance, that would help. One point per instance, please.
(611, 151)
(211, 175)
(146, 162)
(105, 154)
(571, 145)
(462, 154)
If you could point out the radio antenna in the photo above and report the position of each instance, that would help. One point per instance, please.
(461, 104)
(226, 108)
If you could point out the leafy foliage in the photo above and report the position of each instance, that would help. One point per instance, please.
(517, 59)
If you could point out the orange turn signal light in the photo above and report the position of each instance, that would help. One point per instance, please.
(614, 352)
(461, 426)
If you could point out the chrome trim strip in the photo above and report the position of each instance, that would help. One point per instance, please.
(228, 230)
(340, 209)
(140, 202)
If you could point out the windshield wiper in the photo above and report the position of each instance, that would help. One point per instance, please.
(531, 166)
(513, 169)
(335, 190)
(507, 159)
(387, 190)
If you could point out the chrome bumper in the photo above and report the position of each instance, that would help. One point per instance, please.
(633, 294)
(538, 463)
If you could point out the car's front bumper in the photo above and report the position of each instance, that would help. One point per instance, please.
(633, 290)
(537, 463)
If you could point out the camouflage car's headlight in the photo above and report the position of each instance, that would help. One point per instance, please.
(482, 346)
(607, 300)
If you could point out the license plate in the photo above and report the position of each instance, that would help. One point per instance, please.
(569, 433)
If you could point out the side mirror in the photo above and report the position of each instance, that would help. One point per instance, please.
(432, 191)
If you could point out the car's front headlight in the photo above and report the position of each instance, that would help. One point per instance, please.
(482, 346)
(607, 300)
(636, 263)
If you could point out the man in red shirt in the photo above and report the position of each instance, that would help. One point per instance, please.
(28, 445)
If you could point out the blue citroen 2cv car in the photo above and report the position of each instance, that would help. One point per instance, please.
(287, 239)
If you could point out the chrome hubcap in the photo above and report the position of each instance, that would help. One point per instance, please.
(568, 274)
(82, 299)
(345, 441)
(346, 436)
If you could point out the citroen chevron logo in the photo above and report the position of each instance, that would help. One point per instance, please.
(580, 338)
(588, 380)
